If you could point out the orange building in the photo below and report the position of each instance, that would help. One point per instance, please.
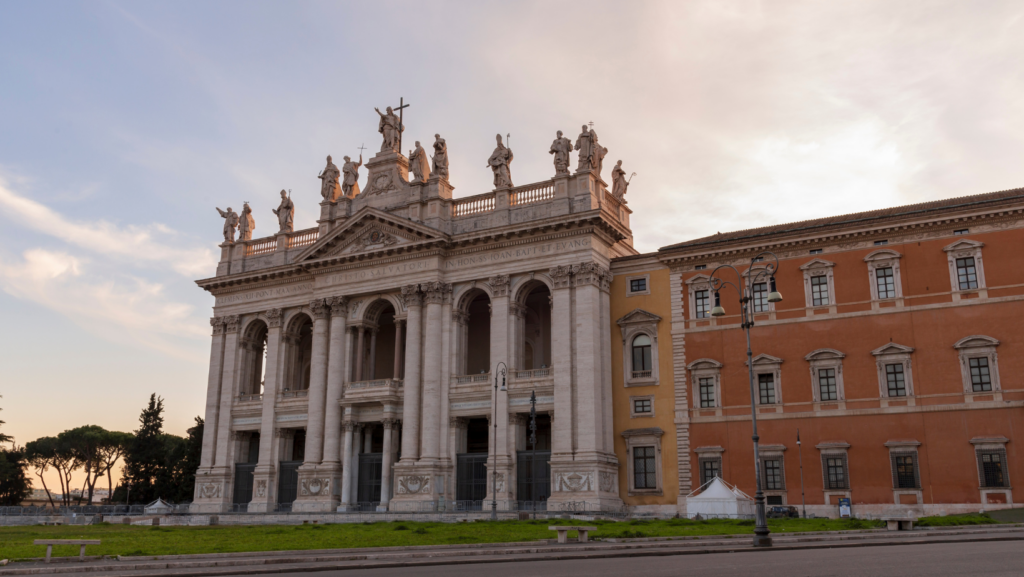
(895, 354)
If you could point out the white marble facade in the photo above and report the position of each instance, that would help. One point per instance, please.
(375, 337)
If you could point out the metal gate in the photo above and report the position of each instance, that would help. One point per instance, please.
(370, 466)
(243, 483)
(533, 486)
(471, 477)
(288, 482)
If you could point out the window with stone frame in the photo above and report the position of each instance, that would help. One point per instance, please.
(819, 284)
(773, 473)
(641, 406)
(835, 469)
(768, 372)
(698, 292)
(639, 330)
(978, 364)
(826, 375)
(895, 376)
(710, 467)
(905, 472)
(992, 468)
(966, 269)
(884, 275)
(706, 376)
(638, 285)
(759, 297)
(644, 462)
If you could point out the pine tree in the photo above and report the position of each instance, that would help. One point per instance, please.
(146, 457)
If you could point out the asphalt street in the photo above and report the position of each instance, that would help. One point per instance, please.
(990, 559)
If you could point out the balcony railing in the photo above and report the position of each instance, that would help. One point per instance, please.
(533, 374)
(641, 374)
(375, 384)
(294, 394)
(469, 379)
(249, 397)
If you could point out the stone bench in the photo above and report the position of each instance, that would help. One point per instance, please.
(563, 532)
(51, 542)
(899, 523)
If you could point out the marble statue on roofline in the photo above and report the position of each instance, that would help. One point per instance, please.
(246, 223)
(329, 181)
(561, 148)
(285, 213)
(230, 223)
(390, 126)
(419, 164)
(440, 158)
(619, 182)
(499, 162)
(598, 153)
(585, 144)
(350, 187)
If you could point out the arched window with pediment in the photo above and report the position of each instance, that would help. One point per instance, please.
(641, 356)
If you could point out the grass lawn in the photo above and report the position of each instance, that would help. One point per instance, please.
(951, 520)
(16, 542)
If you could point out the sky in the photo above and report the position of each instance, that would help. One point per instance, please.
(124, 124)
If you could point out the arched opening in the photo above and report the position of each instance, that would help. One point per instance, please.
(474, 334)
(641, 354)
(298, 353)
(379, 342)
(253, 346)
(533, 327)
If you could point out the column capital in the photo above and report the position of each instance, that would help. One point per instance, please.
(561, 275)
(516, 419)
(411, 295)
(218, 325)
(319, 308)
(339, 306)
(436, 292)
(348, 426)
(499, 285)
(280, 433)
(460, 317)
(274, 318)
(457, 422)
(517, 310)
(231, 323)
(591, 273)
(390, 423)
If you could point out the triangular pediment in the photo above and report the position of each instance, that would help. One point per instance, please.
(638, 316)
(370, 232)
(892, 349)
(766, 359)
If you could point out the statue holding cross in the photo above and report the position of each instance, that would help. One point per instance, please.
(391, 127)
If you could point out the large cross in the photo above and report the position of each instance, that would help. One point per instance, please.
(401, 123)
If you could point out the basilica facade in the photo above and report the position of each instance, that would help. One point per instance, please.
(417, 352)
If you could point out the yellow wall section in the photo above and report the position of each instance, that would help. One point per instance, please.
(659, 303)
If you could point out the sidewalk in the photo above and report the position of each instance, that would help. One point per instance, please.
(265, 563)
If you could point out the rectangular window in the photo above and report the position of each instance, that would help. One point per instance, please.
(759, 259)
(700, 267)
(766, 385)
(642, 406)
(897, 384)
(773, 475)
(835, 472)
(885, 282)
(992, 468)
(644, 468)
(707, 392)
(700, 304)
(966, 273)
(760, 297)
(637, 285)
(904, 471)
(819, 290)
(981, 379)
(961, 231)
(881, 242)
(773, 500)
(815, 251)
(709, 469)
(827, 385)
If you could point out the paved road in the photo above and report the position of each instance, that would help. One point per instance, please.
(989, 559)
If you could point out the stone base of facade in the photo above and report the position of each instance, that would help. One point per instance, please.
(212, 492)
(264, 491)
(419, 487)
(584, 486)
(319, 488)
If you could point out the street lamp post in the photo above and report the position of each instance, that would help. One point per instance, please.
(800, 451)
(494, 439)
(533, 451)
(746, 291)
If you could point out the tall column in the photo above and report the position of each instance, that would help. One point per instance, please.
(335, 380)
(396, 372)
(561, 359)
(434, 294)
(499, 354)
(357, 448)
(224, 459)
(360, 330)
(411, 383)
(317, 383)
(264, 477)
(589, 386)
(213, 393)
(385, 470)
(373, 354)
(346, 473)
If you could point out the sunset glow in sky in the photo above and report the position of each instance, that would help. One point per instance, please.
(125, 123)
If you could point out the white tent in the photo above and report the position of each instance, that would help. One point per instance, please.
(158, 507)
(717, 499)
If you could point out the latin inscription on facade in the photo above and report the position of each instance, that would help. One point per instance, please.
(265, 294)
(378, 272)
(516, 253)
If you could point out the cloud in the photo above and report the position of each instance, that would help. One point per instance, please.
(117, 307)
(138, 243)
